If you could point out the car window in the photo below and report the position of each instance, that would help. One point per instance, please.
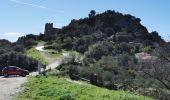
(12, 68)
(4, 68)
(18, 68)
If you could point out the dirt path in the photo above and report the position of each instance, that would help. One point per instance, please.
(10, 86)
(53, 62)
(40, 48)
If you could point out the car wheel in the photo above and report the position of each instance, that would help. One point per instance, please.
(23, 75)
(5, 75)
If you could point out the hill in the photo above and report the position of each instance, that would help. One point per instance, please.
(109, 49)
(107, 26)
(107, 44)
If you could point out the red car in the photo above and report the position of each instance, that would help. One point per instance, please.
(13, 70)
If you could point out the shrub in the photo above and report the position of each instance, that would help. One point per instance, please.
(147, 49)
(98, 50)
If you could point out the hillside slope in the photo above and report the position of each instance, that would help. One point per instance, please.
(60, 89)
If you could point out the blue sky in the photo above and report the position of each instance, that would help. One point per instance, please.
(20, 17)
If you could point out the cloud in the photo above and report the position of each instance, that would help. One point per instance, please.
(13, 34)
(37, 6)
(168, 39)
(29, 4)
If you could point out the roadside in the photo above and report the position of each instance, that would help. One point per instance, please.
(10, 86)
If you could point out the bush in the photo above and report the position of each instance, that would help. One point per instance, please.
(147, 49)
(18, 59)
(67, 43)
(98, 50)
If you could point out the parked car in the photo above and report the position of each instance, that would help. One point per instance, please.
(13, 70)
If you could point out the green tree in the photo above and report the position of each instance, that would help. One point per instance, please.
(92, 13)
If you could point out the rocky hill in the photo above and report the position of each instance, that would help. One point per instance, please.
(108, 26)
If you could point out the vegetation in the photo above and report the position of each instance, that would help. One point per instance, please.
(59, 89)
(33, 53)
(12, 54)
(28, 41)
(53, 53)
(109, 44)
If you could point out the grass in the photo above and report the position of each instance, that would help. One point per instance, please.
(33, 53)
(51, 88)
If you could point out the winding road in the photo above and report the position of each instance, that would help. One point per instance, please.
(53, 62)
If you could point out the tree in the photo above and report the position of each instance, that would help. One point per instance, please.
(158, 70)
(67, 43)
(57, 46)
(163, 52)
(92, 13)
(158, 67)
(98, 50)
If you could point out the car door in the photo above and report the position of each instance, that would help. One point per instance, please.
(10, 70)
(17, 71)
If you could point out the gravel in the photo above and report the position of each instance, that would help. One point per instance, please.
(10, 86)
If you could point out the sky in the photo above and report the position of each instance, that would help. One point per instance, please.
(21, 17)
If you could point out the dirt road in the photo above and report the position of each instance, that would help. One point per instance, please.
(10, 86)
(53, 62)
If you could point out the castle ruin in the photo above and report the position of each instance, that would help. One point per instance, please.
(49, 29)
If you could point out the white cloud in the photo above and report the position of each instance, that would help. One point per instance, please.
(35, 5)
(168, 40)
(12, 34)
(29, 4)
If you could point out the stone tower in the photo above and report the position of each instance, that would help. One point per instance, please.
(48, 28)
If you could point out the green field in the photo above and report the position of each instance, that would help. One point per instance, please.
(51, 88)
(32, 52)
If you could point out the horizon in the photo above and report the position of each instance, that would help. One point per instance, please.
(21, 17)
